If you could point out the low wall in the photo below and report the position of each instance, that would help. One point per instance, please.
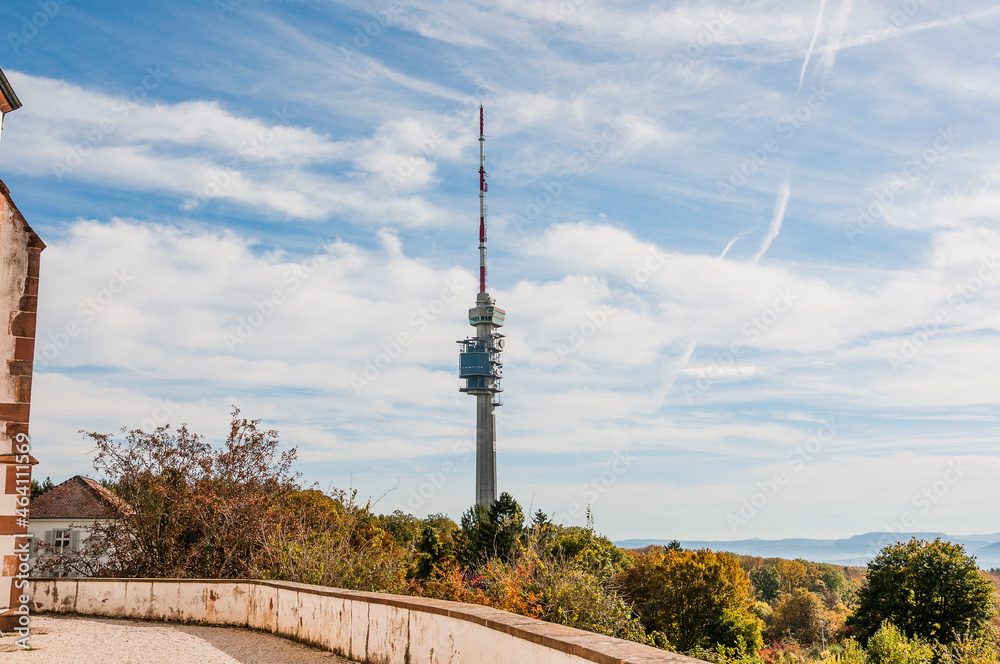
(368, 627)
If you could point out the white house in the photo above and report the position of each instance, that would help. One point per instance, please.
(61, 516)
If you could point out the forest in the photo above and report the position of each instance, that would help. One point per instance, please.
(186, 508)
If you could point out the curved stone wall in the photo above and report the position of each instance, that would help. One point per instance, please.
(367, 627)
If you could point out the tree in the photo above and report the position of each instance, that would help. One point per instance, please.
(831, 583)
(766, 582)
(38, 488)
(930, 590)
(697, 599)
(430, 554)
(330, 540)
(491, 532)
(186, 509)
(792, 574)
(797, 617)
(405, 528)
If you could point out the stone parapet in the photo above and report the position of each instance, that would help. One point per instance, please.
(366, 627)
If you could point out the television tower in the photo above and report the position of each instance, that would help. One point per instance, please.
(479, 357)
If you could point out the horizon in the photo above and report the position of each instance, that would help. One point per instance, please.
(747, 252)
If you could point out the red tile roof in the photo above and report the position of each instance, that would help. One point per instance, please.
(77, 498)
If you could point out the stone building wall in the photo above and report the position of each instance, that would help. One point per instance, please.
(20, 251)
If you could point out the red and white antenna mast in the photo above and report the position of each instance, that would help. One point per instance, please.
(479, 357)
(483, 188)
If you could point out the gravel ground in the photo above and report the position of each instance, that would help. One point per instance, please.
(86, 640)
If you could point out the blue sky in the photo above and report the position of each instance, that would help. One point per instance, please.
(747, 249)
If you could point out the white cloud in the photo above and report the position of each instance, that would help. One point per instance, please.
(198, 151)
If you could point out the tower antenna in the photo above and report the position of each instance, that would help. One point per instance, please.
(483, 188)
(479, 356)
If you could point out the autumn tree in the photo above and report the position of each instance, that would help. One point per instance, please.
(930, 590)
(797, 617)
(697, 599)
(190, 510)
(332, 540)
(187, 508)
(791, 573)
(405, 528)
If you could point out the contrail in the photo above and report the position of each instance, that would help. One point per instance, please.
(812, 44)
(779, 216)
(682, 361)
(675, 370)
(877, 36)
(835, 42)
(731, 243)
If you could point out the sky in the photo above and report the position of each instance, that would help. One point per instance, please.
(748, 249)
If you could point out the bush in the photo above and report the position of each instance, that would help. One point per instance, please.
(187, 509)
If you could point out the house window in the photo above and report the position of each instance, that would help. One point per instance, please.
(61, 540)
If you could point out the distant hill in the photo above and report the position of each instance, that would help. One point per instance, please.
(855, 551)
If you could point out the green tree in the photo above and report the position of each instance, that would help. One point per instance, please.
(766, 582)
(697, 599)
(405, 528)
(38, 488)
(890, 646)
(430, 554)
(491, 532)
(588, 551)
(930, 590)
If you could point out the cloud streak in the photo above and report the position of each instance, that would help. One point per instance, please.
(812, 43)
(835, 41)
(780, 205)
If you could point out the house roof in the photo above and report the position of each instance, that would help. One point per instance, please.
(77, 498)
(9, 101)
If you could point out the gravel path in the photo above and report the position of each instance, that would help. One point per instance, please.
(87, 640)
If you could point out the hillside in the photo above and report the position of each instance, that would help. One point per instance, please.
(855, 551)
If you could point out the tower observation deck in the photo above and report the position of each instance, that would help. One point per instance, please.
(479, 356)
